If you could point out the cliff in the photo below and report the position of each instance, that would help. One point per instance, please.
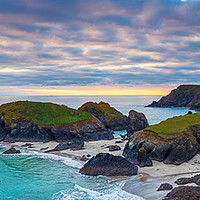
(115, 120)
(183, 96)
(36, 121)
(172, 141)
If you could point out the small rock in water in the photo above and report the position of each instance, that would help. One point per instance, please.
(12, 150)
(119, 142)
(165, 186)
(114, 148)
(88, 155)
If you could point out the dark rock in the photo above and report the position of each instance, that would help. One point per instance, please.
(184, 193)
(165, 186)
(118, 142)
(76, 144)
(143, 158)
(137, 122)
(194, 179)
(114, 148)
(183, 96)
(43, 149)
(189, 113)
(83, 158)
(183, 181)
(109, 165)
(109, 116)
(88, 155)
(12, 150)
(27, 145)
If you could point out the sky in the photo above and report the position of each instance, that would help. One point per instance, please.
(98, 47)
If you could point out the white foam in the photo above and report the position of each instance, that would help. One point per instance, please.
(68, 161)
(114, 193)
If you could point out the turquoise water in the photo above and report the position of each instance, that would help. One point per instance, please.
(36, 176)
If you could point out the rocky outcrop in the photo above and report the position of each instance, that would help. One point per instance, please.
(114, 148)
(170, 151)
(12, 150)
(115, 120)
(183, 181)
(184, 193)
(108, 165)
(64, 124)
(108, 115)
(136, 122)
(183, 96)
(73, 145)
(165, 186)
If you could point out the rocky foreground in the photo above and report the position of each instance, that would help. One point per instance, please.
(183, 96)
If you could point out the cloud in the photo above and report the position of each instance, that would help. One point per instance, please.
(109, 42)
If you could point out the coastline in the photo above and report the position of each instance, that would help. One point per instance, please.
(149, 178)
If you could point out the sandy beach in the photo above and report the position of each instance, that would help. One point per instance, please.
(149, 178)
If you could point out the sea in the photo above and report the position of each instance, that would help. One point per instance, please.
(42, 176)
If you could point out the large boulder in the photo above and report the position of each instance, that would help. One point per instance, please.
(183, 181)
(183, 96)
(184, 193)
(109, 116)
(108, 165)
(27, 121)
(136, 122)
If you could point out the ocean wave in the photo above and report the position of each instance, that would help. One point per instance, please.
(67, 161)
(81, 193)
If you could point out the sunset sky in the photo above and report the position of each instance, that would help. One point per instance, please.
(96, 47)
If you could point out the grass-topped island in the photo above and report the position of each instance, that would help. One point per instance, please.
(37, 121)
(172, 141)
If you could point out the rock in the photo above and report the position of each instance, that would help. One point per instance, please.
(88, 155)
(20, 125)
(184, 193)
(43, 149)
(114, 148)
(137, 122)
(189, 113)
(183, 96)
(12, 150)
(177, 149)
(143, 158)
(108, 165)
(109, 116)
(73, 145)
(183, 181)
(27, 145)
(83, 158)
(165, 186)
(117, 142)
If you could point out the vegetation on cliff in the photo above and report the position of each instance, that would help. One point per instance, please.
(183, 96)
(108, 115)
(41, 113)
(172, 127)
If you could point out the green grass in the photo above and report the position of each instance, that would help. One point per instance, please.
(171, 127)
(42, 113)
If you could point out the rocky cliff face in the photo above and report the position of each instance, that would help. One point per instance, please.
(115, 120)
(33, 121)
(108, 115)
(176, 150)
(136, 121)
(183, 96)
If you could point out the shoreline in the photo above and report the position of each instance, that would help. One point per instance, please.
(149, 178)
